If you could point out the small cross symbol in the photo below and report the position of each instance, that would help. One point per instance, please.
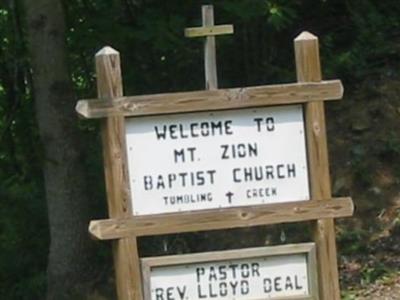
(209, 30)
(229, 195)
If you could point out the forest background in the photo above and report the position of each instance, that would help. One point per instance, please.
(51, 171)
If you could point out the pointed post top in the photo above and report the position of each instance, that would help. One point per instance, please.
(308, 66)
(305, 36)
(108, 72)
(107, 50)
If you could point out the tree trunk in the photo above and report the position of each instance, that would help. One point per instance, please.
(70, 257)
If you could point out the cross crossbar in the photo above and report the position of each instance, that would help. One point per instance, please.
(193, 32)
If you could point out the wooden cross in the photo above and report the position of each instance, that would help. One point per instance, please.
(209, 30)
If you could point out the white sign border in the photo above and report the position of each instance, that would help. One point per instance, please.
(259, 252)
(134, 198)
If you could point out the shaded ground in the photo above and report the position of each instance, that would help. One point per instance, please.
(364, 141)
(374, 274)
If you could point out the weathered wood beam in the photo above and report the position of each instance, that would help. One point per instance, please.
(193, 32)
(221, 219)
(126, 256)
(211, 100)
(308, 68)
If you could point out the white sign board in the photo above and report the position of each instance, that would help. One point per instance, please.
(187, 162)
(224, 277)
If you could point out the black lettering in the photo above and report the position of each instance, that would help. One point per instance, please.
(291, 169)
(234, 285)
(179, 154)
(170, 293)
(183, 178)
(277, 283)
(248, 174)
(160, 182)
(199, 294)
(267, 285)
(172, 131)
(233, 267)
(171, 179)
(222, 272)
(253, 150)
(205, 129)
(213, 274)
(191, 152)
(210, 290)
(235, 175)
(182, 132)
(244, 287)
(200, 178)
(159, 294)
(279, 171)
(255, 269)
(161, 134)
(249, 194)
(224, 151)
(148, 183)
(199, 272)
(211, 173)
(223, 289)
(296, 283)
(192, 129)
(258, 175)
(241, 150)
(209, 197)
(258, 122)
(269, 172)
(216, 127)
(288, 284)
(181, 292)
(270, 124)
(245, 269)
(179, 199)
(228, 129)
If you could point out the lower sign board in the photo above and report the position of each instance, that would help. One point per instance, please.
(188, 162)
(278, 272)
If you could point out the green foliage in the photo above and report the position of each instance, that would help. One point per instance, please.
(353, 242)
(369, 274)
(358, 38)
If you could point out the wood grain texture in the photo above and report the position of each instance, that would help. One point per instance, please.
(221, 219)
(210, 56)
(214, 256)
(126, 259)
(211, 100)
(309, 70)
(193, 32)
(308, 249)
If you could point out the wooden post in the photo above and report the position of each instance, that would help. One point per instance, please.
(209, 31)
(126, 258)
(210, 58)
(309, 70)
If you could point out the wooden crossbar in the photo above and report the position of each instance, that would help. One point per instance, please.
(208, 30)
(291, 93)
(221, 219)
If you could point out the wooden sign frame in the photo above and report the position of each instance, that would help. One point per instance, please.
(124, 228)
(231, 255)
